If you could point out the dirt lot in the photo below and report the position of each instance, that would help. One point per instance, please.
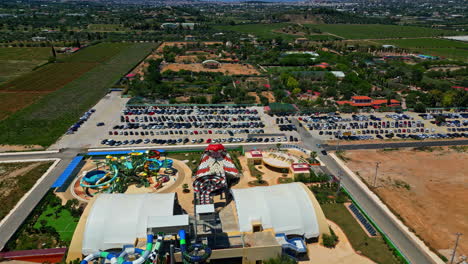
(428, 189)
(226, 68)
(194, 58)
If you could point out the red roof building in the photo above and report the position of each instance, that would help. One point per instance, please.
(300, 167)
(460, 88)
(256, 154)
(366, 101)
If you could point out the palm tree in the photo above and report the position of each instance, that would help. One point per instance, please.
(313, 155)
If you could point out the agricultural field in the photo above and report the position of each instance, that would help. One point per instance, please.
(418, 185)
(16, 179)
(265, 31)
(17, 61)
(12, 101)
(371, 31)
(44, 121)
(435, 47)
(33, 85)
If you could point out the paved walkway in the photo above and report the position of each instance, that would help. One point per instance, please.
(343, 253)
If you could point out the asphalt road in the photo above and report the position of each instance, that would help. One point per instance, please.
(21, 213)
(399, 238)
(413, 144)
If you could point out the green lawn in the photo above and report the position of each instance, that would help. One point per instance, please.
(375, 31)
(63, 221)
(265, 31)
(436, 47)
(47, 119)
(374, 248)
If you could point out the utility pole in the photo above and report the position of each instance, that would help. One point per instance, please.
(458, 234)
(340, 176)
(338, 142)
(376, 170)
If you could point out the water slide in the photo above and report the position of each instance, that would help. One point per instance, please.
(193, 253)
(121, 258)
(156, 248)
(115, 171)
(295, 244)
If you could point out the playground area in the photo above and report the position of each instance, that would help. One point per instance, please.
(426, 187)
(137, 172)
(225, 68)
(275, 166)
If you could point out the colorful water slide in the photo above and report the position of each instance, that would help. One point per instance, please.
(121, 258)
(156, 248)
(101, 254)
(98, 184)
(196, 253)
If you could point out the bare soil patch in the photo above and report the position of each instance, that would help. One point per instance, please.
(269, 95)
(16, 179)
(427, 189)
(226, 68)
(17, 148)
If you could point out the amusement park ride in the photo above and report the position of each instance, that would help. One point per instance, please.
(213, 175)
(115, 174)
(155, 252)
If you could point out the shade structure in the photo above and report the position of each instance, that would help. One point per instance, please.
(116, 220)
(287, 208)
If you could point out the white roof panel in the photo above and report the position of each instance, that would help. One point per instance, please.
(286, 208)
(118, 219)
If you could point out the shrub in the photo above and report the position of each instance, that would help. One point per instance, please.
(331, 240)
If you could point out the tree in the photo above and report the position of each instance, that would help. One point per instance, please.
(331, 240)
(292, 83)
(313, 156)
(259, 178)
(448, 98)
(296, 91)
(53, 52)
(420, 108)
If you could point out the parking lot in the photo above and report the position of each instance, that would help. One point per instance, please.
(386, 126)
(159, 125)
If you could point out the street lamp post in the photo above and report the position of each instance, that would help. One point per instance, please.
(377, 164)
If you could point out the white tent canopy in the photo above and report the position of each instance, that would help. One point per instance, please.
(118, 219)
(287, 208)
